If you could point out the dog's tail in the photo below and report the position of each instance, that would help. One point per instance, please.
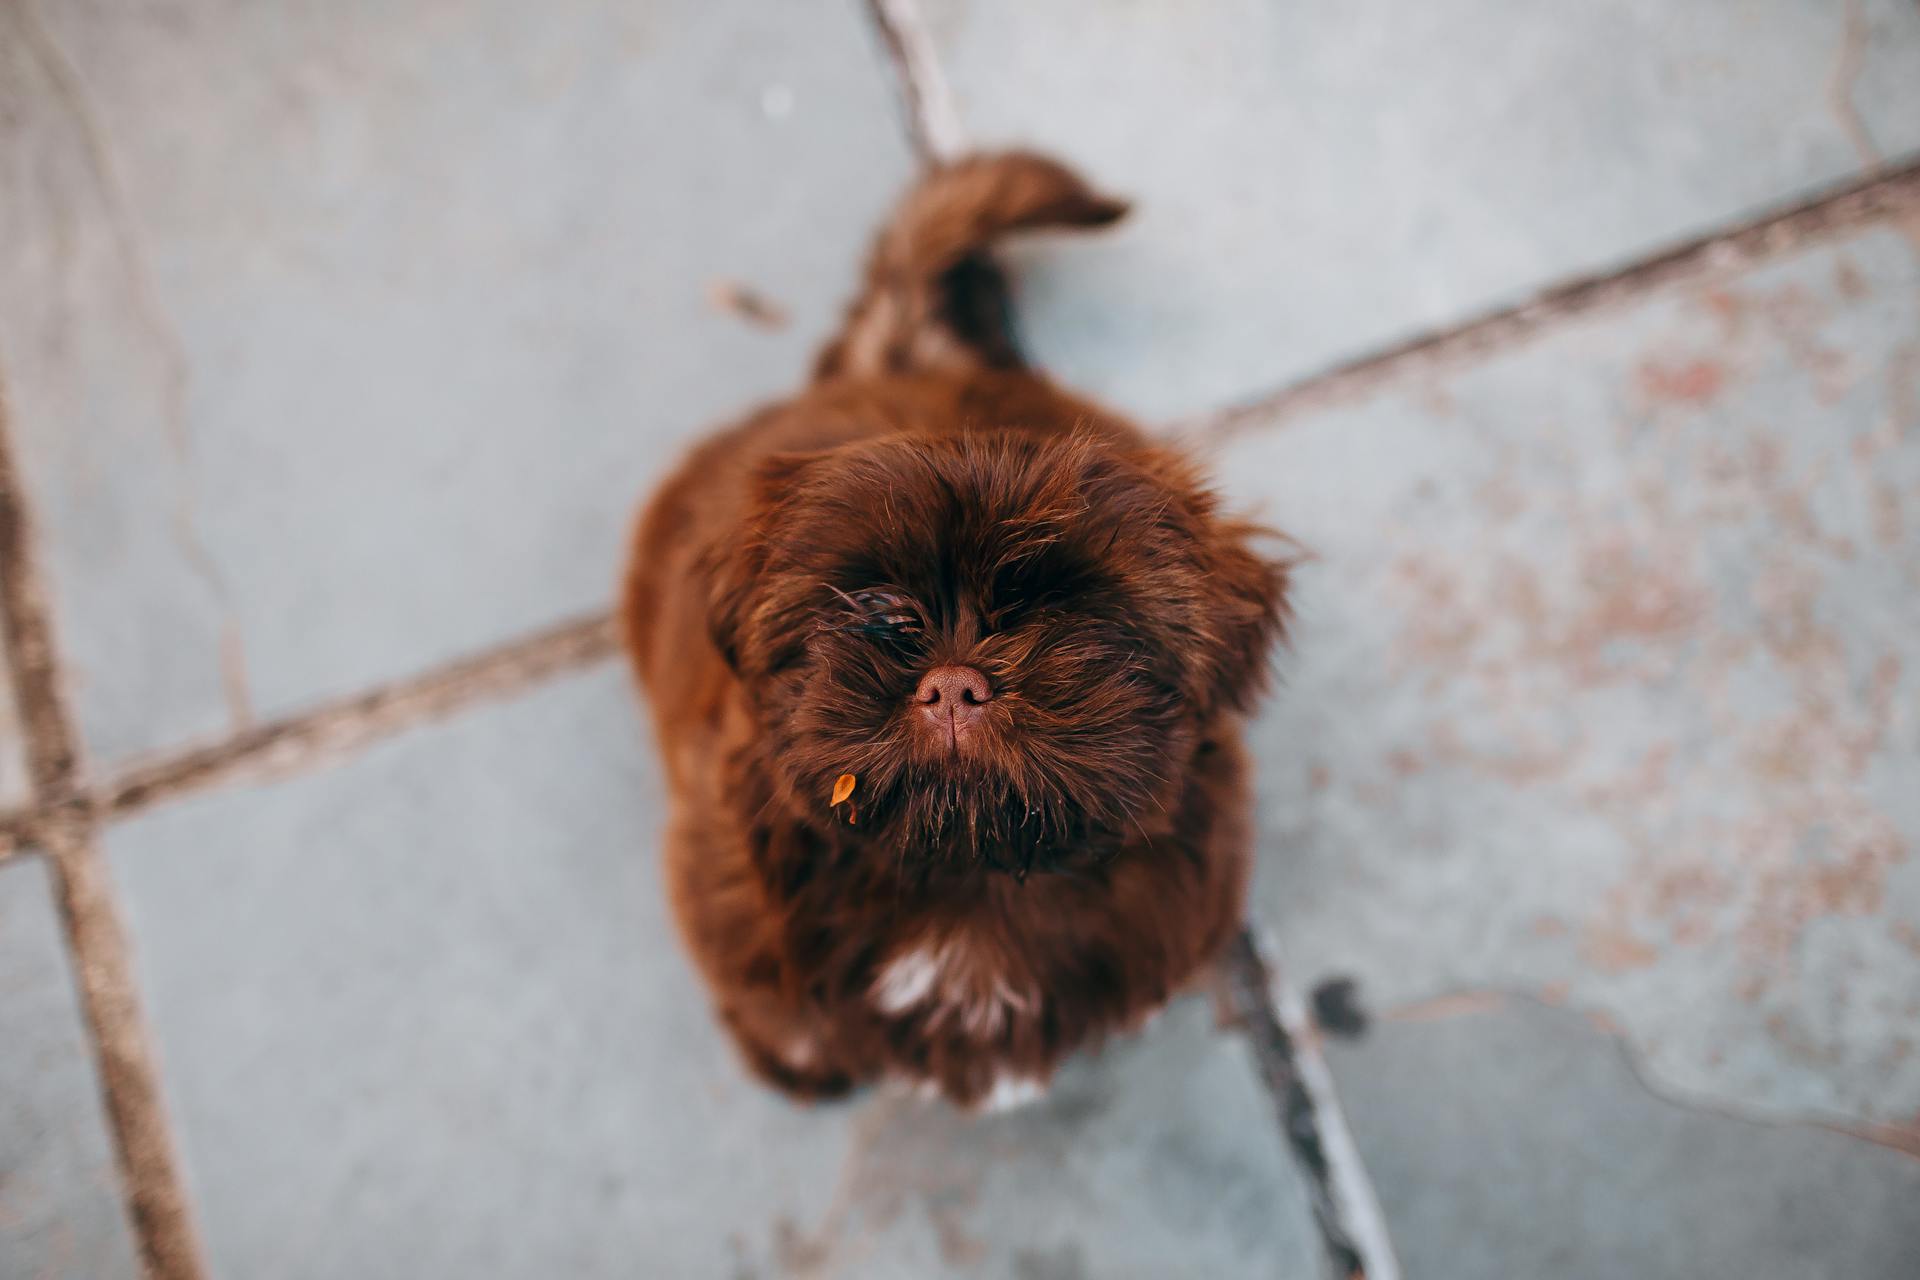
(933, 297)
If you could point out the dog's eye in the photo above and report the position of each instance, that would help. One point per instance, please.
(884, 612)
(878, 613)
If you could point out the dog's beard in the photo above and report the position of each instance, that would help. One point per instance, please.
(1047, 795)
(954, 819)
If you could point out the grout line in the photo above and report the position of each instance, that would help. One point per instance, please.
(96, 936)
(279, 747)
(1352, 1232)
(1352, 1188)
(328, 732)
(18, 829)
(1887, 193)
(52, 756)
(932, 119)
(157, 1195)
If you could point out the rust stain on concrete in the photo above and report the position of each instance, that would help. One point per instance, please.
(1848, 282)
(1457, 1004)
(1694, 382)
(1609, 948)
(1662, 636)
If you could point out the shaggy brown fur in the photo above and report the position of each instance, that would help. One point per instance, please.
(1048, 838)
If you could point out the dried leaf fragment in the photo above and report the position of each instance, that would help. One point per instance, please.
(742, 300)
(842, 788)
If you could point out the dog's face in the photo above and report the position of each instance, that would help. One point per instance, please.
(1012, 642)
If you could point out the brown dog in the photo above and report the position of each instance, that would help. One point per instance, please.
(1020, 632)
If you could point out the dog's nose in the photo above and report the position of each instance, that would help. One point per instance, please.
(951, 697)
(950, 688)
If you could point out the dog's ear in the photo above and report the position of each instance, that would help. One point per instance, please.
(1252, 611)
(735, 564)
(1245, 567)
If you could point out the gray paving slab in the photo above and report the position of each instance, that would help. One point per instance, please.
(1515, 1141)
(60, 1206)
(1316, 180)
(341, 340)
(1158, 1158)
(1607, 682)
(424, 1015)
(1873, 78)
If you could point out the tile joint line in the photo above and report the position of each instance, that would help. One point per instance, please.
(152, 1185)
(926, 100)
(1886, 192)
(1346, 1214)
(304, 740)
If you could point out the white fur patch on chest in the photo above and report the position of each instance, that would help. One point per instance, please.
(952, 984)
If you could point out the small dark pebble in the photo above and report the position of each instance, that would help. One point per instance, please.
(1336, 1008)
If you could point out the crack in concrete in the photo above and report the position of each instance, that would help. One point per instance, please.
(152, 1183)
(1882, 1136)
(1846, 71)
(70, 87)
(926, 100)
(1889, 195)
(1904, 1138)
(1471, 1002)
(233, 674)
(830, 1247)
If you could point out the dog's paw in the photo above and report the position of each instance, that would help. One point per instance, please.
(798, 1071)
(1010, 1093)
